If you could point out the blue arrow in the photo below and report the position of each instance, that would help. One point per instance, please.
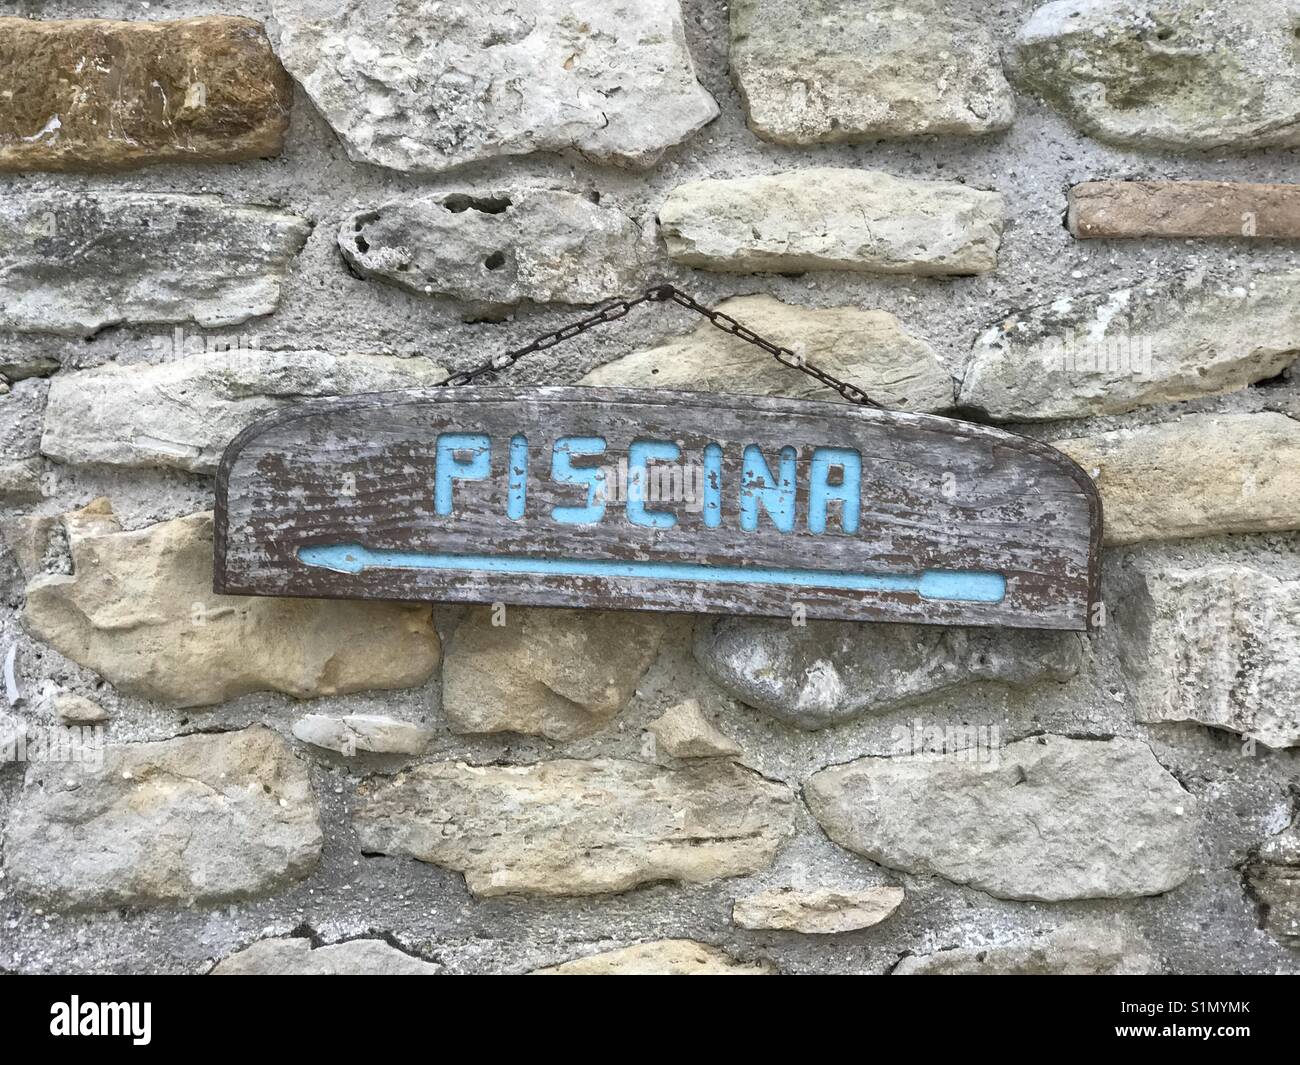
(961, 585)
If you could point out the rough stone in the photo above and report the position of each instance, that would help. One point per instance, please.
(1185, 209)
(372, 733)
(1273, 879)
(824, 911)
(20, 480)
(74, 709)
(297, 957)
(1048, 818)
(182, 413)
(74, 263)
(1192, 76)
(1081, 948)
(96, 94)
(821, 71)
(1199, 475)
(416, 86)
(196, 819)
(21, 410)
(555, 673)
(833, 219)
(1216, 645)
(827, 672)
(499, 249)
(665, 957)
(869, 349)
(139, 609)
(684, 732)
(28, 539)
(569, 827)
(1112, 352)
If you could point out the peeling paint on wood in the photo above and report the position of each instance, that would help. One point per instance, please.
(547, 497)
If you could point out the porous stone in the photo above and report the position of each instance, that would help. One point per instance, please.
(499, 249)
(555, 673)
(196, 819)
(824, 911)
(664, 957)
(1079, 948)
(74, 709)
(569, 827)
(1199, 475)
(1191, 76)
(73, 263)
(829, 672)
(1112, 352)
(97, 94)
(415, 85)
(297, 957)
(1273, 880)
(869, 349)
(1048, 818)
(373, 733)
(1216, 645)
(684, 732)
(182, 413)
(139, 609)
(833, 219)
(824, 71)
(1111, 209)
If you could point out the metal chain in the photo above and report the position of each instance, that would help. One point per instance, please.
(666, 294)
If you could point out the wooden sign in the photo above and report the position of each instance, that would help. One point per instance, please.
(658, 500)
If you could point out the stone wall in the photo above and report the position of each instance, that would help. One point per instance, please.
(954, 205)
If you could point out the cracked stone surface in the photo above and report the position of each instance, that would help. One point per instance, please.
(297, 956)
(824, 71)
(1190, 76)
(500, 249)
(570, 827)
(421, 86)
(833, 219)
(1112, 352)
(555, 673)
(195, 819)
(98, 94)
(139, 609)
(828, 672)
(74, 263)
(1215, 645)
(870, 349)
(666, 957)
(1198, 475)
(181, 414)
(1047, 818)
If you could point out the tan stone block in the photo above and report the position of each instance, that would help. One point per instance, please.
(98, 94)
(1111, 209)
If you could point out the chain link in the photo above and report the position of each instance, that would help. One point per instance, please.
(665, 294)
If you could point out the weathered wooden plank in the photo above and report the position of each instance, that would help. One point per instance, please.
(530, 497)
